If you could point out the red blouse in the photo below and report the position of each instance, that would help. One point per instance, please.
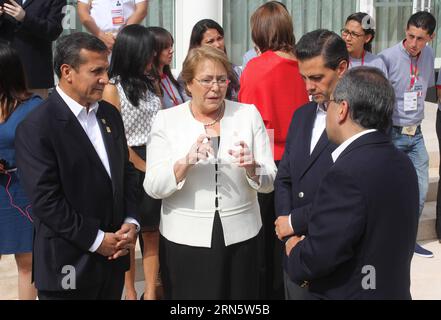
(274, 85)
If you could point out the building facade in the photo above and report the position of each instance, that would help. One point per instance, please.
(179, 16)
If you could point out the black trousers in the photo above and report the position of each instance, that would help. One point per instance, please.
(110, 289)
(438, 200)
(272, 251)
(217, 273)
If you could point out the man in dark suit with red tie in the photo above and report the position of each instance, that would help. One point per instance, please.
(73, 160)
(30, 26)
(362, 227)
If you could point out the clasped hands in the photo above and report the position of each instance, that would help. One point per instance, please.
(283, 229)
(118, 244)
(14, 10)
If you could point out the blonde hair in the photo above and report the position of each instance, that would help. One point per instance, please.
(198, 55)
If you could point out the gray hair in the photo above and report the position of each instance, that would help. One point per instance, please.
(370, 96)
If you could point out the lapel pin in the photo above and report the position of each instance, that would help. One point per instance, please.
(103, 121)
(108, 130)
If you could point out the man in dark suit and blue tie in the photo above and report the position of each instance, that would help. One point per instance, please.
(73, 158)
(362, 227)
(323, 59)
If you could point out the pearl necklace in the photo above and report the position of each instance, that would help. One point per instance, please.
(212, 123)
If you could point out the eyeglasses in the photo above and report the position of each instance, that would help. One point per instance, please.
(354, 35)
(206, 83)
(328, 103)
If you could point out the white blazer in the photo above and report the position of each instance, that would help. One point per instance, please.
(188, 208)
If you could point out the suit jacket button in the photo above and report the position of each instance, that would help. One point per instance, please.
(301, 195)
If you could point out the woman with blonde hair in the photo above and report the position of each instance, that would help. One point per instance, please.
(207, 159)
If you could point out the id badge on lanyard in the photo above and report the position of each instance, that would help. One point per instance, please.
(117, 13)
(414, 91)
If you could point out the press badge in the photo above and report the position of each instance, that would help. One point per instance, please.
(411, 98)
(117, 13)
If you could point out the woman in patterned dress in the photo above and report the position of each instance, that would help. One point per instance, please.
(132, 91)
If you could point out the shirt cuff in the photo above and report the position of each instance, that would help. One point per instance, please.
(289, 220)
(255, 185)
(131, 220)
(99, 239)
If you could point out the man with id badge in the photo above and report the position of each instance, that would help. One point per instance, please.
(410, 66)
(104, 18)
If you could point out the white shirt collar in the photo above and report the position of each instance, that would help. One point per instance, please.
(337, 152)
(321, 108)
(74, 106)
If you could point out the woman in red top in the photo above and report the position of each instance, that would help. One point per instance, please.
(272, 83)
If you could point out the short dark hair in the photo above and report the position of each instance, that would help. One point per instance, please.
(272, 28)
(197, 34)
(68, 49)
(366, 23)
(133, 50)
(13, 89)
(424, 20)
(370, 96)
(324, 43)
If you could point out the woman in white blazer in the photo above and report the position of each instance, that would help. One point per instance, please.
(207, 159)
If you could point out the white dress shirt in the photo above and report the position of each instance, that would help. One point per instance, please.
(319, 126)
(91, 127)
(337, 152)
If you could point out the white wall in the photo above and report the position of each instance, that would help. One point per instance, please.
(187, 13)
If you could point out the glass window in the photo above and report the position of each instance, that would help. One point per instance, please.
(391, 19)
(308, 15)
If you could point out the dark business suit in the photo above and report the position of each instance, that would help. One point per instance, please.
(362, 217)
(33, 38)
(300, 172)
(71, 192)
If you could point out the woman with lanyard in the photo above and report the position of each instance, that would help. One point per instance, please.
(132, 91)
(16, 227)
(358, 34)
(171, 91)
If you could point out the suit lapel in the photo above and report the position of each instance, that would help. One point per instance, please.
(321, 145)
(106, 132)
(77, 133)
(308, 158)
(307, 130)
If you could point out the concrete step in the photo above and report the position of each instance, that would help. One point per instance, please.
(433, 185)
(426, 227)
